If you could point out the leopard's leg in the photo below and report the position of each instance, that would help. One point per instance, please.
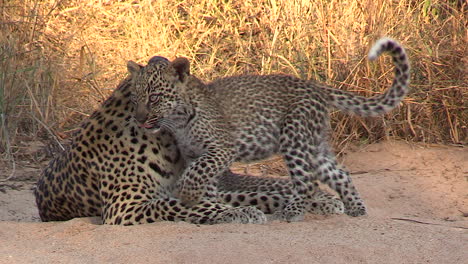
(329, 172)
(279, 205)
(304, 145)
(273, 196)
(276, 196)
(171, 209)
(230, 181)
(199, 179)
(321, 202)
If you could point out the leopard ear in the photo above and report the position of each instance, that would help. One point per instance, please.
(133, 67)
(180, 67)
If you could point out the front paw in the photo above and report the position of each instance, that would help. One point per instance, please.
(292, 212)
(356, 209)
(241, 215)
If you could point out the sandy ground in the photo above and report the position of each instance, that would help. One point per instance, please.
(418, 213)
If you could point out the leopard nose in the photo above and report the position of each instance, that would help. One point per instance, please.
(141, 114)
(140, 118)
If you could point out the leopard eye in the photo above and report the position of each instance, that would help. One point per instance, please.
(153, 98)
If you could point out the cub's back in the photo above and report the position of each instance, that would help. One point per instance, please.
(261, 98)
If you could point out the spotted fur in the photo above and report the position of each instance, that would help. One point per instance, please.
(251, 117)
(125, 174)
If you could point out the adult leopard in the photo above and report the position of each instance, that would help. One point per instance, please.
(125, 174)
(251, 117)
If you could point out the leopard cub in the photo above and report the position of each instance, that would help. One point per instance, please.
(251, 117)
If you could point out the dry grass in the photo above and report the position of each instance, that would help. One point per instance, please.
(59, 59)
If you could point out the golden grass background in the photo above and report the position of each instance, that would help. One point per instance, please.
(59, 59)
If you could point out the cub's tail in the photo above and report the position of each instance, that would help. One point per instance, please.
(383, 103)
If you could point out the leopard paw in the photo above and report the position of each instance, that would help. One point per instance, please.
(292, 212)
(355, 209)
(241, 215)
(329, 206)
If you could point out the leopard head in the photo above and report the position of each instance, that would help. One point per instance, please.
(158, 91)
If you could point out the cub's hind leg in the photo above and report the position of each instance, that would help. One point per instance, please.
(329, 172)
(303, 143)
(321, 202)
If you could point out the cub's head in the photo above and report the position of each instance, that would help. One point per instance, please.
(158, 90)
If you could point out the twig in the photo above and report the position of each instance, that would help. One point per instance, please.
(424, 223)
(408, 118)
(454, 132)
(50, 132)
(384, 170)
(8, 149)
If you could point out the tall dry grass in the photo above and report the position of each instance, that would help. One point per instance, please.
(59, 59)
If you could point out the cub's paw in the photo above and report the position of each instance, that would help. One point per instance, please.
(356, 208)
(329, 206)
(292, 212)
(241, 215)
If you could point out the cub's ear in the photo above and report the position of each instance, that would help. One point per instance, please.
(180, 68)
(133, 68)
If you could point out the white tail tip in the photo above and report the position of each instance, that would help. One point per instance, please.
(376, 49)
